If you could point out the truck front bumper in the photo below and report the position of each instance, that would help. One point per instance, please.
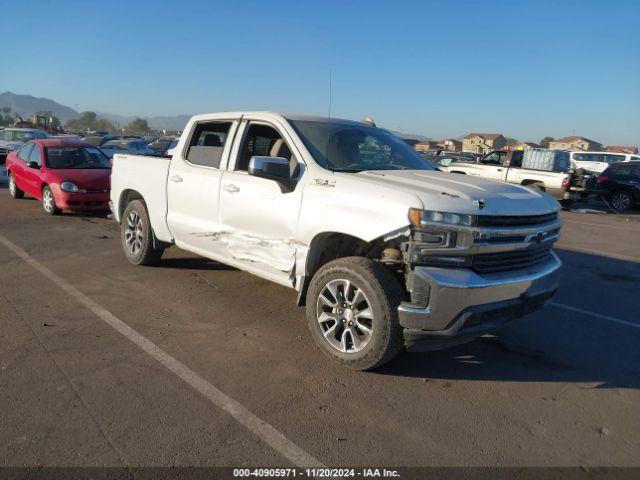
(464, 305)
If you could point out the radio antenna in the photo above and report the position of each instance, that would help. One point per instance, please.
(330, 93)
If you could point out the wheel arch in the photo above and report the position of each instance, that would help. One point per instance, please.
(328, 246)
(126, 197)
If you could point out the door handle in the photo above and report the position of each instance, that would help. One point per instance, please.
(499, 170)
(231, 188)
(176, 178)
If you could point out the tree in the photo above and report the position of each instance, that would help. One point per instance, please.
(511, 141)
(89, 121)
(137, 126)
(6, 118)
(544, 143)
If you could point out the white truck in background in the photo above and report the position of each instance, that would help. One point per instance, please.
(563, 183)
(384, 250)
(598, 162)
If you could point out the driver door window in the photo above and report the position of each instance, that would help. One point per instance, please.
(263, 141)
(494, 158)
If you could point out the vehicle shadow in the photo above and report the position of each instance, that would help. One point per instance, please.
(556, 344)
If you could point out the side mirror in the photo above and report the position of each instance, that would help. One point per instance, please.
(32, 164)
(272, 168)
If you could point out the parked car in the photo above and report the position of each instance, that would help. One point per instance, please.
(598, 162)
(619, 185)
(564, 184)
(160, 146)
(99, 140)
(135, 146)
(383, 249)
(62, 174)
(169, 150)
(11, 139)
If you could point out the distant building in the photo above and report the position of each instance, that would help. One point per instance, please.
(450, 144)
(523, 145)
(622, 149)
(411, 141)
(575, 143)
(426, 145)
(483, 142)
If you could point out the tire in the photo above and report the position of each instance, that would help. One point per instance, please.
(621, 200)
(567, 204)
(13, 188)
(49, 202)
(137, 236)
(373, 296)
(537, 186)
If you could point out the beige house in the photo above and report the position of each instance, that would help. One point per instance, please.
(426, 145)
(575, 143)
(450, 144)
(483, 142)
(622, 149)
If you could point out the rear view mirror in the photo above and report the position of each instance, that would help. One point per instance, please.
(272, 168)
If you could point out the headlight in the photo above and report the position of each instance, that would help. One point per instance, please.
(424, 218)
(69, 187)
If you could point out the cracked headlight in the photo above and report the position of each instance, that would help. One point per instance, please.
(69, 187)
(424, 218)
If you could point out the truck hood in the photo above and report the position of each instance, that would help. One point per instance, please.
(457, 193)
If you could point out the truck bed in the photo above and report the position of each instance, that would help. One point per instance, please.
(147, 176)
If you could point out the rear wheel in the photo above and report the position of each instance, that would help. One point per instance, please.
(621, 200)
(13, 188)
(537, 186)
(352, 312)
(137, 235)
(49, 202)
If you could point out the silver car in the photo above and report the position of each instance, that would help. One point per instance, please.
(133, 146)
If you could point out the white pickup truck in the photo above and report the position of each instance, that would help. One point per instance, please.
(506, 166)
(384, 250)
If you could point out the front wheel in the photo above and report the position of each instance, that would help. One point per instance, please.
(137, 236)
(13, 188)
(49, 202)
(352, 312)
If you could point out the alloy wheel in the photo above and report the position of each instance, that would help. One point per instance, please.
(621, 201)
(47, 200)
(345, 316)
(134, 232)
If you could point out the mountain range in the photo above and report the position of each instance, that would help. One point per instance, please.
(25, 105)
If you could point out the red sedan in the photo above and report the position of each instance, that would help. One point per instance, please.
(63, 174)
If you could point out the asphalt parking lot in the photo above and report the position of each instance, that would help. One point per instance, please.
(249, 388)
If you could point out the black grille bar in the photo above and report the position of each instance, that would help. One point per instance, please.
(515, 221)
(506, 261)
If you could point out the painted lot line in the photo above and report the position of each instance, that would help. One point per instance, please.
(242, 415)
(596, 315)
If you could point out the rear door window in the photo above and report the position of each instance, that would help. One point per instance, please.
(207, 143)
(614, 158)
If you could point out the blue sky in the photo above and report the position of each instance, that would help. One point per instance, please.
(438, 68)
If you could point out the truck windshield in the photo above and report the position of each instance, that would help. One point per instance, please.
(76, 158)
(346, 147)
(17, 136)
